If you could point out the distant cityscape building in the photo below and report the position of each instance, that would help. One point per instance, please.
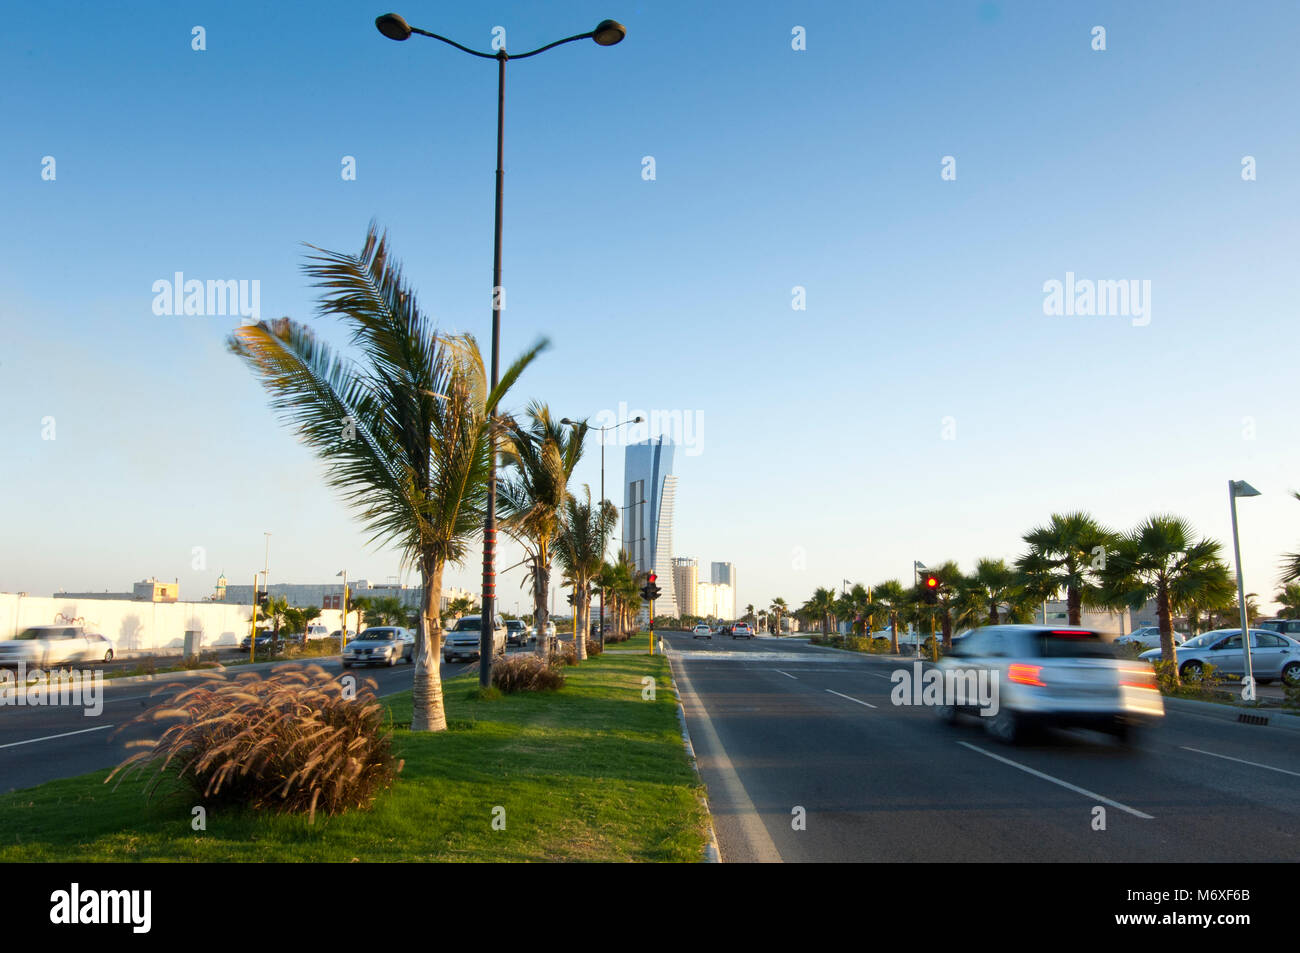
(725, 574)
(648, 527)
(148, 590)
(685, 579)
(715, 601)
(329, 595)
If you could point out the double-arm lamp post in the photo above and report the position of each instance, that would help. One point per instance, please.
(622, 423)
(607, 33)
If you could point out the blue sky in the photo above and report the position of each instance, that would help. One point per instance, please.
(822, 451)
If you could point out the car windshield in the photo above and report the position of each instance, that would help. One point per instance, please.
(34, 634)
(379, 635)
(466, 625)
(1203, 641)
(514, 624)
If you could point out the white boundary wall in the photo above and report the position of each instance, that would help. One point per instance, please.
(135, 627)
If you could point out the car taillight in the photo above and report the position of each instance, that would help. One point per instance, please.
(1025, 674)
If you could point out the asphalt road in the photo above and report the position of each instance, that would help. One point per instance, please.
(39, 744)
(784, 730)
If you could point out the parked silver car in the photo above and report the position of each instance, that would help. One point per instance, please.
(1064, 676)
(40, 646)
(380, 645)
(1272, 655)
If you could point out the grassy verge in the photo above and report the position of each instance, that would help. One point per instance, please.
(591, 772)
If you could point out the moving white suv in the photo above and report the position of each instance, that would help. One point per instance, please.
(463, 639)
(741, 630)
(40, 646)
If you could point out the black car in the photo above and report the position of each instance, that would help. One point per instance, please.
(516, 632)
(265, 639)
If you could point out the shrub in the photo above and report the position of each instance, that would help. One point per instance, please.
(526, 673)
(288, 742)
(564, 654)
(594, 648)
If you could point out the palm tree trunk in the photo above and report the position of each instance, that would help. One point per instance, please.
(580, 626)
(541, 586)
(1168, 651)
(1074, 602)
(428, 713)
(947, 630)
(893, 632)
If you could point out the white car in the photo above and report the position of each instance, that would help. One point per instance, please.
(463, 640)
(40, 646)
(1148, 637)
(702, 631)
(741, 630)
(316, 631)
(1066, 675)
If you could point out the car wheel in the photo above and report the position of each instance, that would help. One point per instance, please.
(1004, 726)
(108, 656)
(1192, 671)
(1291, 674)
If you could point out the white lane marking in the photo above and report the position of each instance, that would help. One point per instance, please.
(32, 741)
(711, 755)
(878, 675)
(1065, 784)
(1253, 764)
(851, 698)
(788, 675)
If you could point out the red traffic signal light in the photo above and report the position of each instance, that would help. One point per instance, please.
(651, 579)
(932, 582)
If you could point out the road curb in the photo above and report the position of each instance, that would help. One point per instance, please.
(712, 855)
(1271, 717)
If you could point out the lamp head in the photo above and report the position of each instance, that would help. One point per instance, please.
(393, 27)
(609, 32)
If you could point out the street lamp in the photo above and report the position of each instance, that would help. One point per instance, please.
(633, 420)
(607, 33)
(343, 632)
(1238, 488)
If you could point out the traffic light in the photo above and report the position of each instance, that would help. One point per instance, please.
(572, 600)
(262, 596)
(650, 590)
(931, 588)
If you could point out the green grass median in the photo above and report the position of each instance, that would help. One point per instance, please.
(590, 773)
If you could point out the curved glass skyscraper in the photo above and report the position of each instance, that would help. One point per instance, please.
(648, 527)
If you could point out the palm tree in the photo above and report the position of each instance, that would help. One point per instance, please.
(361, 606)
(1161, 559)
(779, 608)
(541, 456)
(1062, 555)
(406, 436)
(580, 550)
(819, 607)
(273, 612)
(890, 597)
(1289, 599)
(996, 584)
(461, 605)
(954, 598)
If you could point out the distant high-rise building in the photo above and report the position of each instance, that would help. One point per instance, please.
(685, 576)
(715, 601)
(724, 574)
(648, 526)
